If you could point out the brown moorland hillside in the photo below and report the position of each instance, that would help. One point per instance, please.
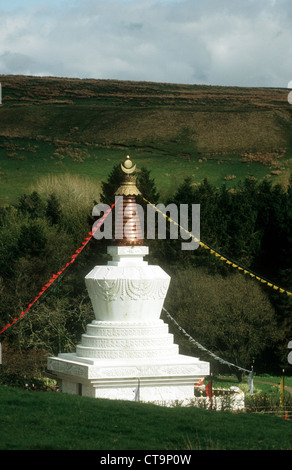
(222, 133)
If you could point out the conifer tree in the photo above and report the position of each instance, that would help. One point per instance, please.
(32, 205)
(32, 239)
(53, 210)
(146, 185)
(110, 186)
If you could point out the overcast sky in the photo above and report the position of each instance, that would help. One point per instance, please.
(212, 42)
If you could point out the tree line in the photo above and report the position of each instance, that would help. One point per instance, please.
(233, 316)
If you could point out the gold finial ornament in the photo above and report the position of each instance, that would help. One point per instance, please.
(128, 186)
(128, 167)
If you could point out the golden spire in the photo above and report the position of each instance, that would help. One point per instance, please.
(128, 225)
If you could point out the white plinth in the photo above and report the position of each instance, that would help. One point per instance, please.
(127, 352)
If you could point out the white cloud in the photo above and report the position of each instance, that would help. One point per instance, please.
(218, 42)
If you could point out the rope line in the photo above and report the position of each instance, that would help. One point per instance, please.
(193, 341)
(59, 273)
(224, 258)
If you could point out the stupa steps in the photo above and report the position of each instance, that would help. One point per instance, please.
(123, 343)
(130, 353)
(110, 340)
(151, 329)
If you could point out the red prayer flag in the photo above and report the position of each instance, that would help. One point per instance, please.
(208, 389)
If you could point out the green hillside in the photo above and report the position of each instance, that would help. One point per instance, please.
(60, 125)
(56, 421)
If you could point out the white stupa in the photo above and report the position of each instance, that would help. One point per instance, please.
(127, 351)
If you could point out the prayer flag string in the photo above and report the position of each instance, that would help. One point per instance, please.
(198, 345)
(56, 276)
(224, 258)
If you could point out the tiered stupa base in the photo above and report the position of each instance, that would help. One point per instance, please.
(129, 361)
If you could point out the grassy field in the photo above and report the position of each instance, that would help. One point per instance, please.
(47, 421)
(84, 127)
